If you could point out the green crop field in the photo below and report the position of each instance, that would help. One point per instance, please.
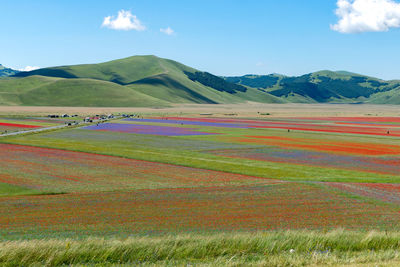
(164, 190)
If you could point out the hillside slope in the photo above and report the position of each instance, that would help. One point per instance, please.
(122, 71)
(133, 81)
(5, 72)
(49, 91)
(324, 86)
(152, 82)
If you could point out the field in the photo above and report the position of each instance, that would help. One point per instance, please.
(16, 123)
(251, 109)
(261, 185)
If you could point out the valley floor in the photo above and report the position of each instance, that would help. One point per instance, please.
(249, 109)
(233, 185)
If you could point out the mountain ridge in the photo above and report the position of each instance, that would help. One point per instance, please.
(6, 72)
(152, 81)
(323, 87)
(164, 80)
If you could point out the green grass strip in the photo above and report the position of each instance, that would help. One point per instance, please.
(291, 248)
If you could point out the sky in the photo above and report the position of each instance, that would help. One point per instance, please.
(224, 37)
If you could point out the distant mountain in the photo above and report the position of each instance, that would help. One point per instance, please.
(324, 87)
(133, 81)
(5, 72)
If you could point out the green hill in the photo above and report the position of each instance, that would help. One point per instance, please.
(5, 72)
(50, 91)
(156, 82)
(133, 81)
(324, 86)
(122, 71)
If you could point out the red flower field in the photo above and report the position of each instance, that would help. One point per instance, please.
(328, 125)
(18, 125)
(66, 171)
(269, 207)
(109, 195)
(323, 145)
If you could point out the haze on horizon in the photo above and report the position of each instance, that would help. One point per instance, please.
(225, 38)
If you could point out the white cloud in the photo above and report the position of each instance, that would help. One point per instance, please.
(125, 21)
(357, 16)
(260, 64)
(167, 31)
(29, 68)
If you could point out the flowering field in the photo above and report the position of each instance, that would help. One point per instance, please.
(253, 147)
(7, 126)
(202, 209)
(389, 193)
(181, 174)
(364, 126)
(26, 123)
(144, 129)
(53, 170)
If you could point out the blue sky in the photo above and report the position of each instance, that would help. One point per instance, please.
(224, 37)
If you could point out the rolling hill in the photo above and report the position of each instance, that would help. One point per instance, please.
(5, 72)
(130, 82)
(324, 87)
(150, 81)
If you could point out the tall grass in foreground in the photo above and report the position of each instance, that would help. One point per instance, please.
(292, 248)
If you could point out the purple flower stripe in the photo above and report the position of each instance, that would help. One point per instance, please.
(145, 129)
(184, 122)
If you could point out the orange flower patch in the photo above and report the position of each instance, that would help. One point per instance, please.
(352, 119)
(325, 146)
